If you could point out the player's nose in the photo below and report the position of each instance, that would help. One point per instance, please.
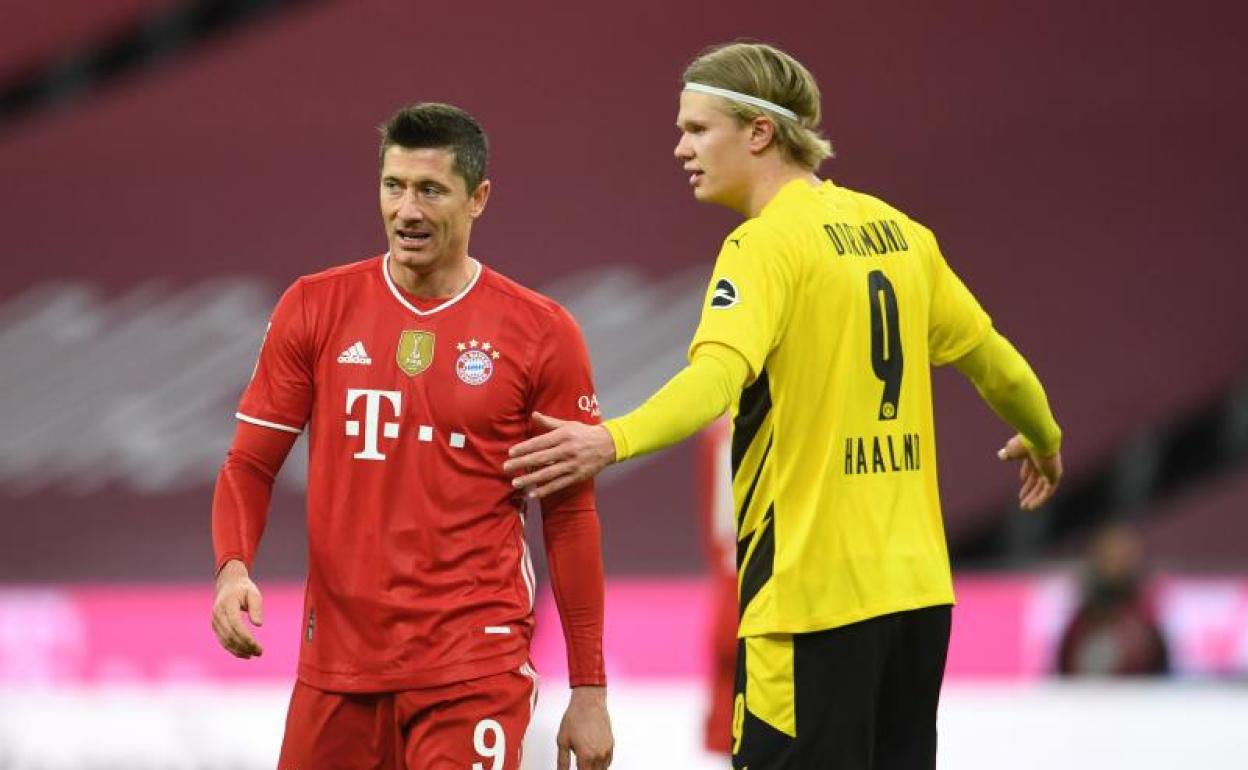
(683, 151)
(409, 209)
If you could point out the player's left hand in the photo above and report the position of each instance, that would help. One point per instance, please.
(586, 731)
(1039, 474)
(568, 454)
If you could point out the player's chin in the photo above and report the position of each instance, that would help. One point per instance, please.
(703, 193)
(412, 256)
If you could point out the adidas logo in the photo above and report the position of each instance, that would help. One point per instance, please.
(355, 355)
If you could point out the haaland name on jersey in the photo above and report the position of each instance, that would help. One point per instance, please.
(868, 239)
(882, 454)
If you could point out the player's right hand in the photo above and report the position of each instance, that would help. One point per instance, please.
(568, 453)
(1038, 473)
(236, 594)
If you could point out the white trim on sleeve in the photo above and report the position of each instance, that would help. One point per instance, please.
(267, 424)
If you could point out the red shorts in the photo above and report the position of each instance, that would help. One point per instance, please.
(473, 725)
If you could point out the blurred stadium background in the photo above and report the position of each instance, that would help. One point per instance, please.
(168, 167)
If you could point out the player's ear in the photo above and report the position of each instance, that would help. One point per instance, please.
(479, 197)
(762, 133)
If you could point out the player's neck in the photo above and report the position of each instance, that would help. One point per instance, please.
(768, 181)
(435, 282)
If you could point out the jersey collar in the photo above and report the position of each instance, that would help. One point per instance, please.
(394, 290)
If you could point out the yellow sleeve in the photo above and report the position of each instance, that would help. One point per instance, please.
(748, 294)
(689, 401)
(956, 321)
(1007, 383)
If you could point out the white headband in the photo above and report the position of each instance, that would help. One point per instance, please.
(754, 101)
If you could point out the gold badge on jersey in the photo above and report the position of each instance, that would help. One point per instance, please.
(415, 352)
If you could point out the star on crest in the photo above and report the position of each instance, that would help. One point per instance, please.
(484, 346)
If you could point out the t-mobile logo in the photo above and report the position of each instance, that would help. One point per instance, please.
(372, 417)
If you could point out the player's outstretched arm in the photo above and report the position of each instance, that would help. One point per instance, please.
(586, 731)
(1005, 381)
(236, 594)
(572, 452)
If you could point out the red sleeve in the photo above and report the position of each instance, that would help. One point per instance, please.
(564, 388)
(240, 503)
(279, 395)
(574, 556)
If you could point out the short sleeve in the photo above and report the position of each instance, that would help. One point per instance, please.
(280, 393)
(956, 322)
(747, 296)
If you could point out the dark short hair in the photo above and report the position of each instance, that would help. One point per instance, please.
(434, 125)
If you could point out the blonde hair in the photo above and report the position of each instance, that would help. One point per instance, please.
(766, 72)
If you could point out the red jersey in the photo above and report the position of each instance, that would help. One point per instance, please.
(419, 573)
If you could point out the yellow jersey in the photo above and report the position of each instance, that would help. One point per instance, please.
(839, 303)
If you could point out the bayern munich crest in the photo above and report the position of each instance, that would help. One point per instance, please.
(475, 364)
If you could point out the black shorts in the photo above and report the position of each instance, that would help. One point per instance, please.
(857, 697)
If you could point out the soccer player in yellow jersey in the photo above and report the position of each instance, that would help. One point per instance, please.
(824, 313)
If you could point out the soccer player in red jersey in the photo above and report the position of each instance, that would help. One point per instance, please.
(414, 371)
